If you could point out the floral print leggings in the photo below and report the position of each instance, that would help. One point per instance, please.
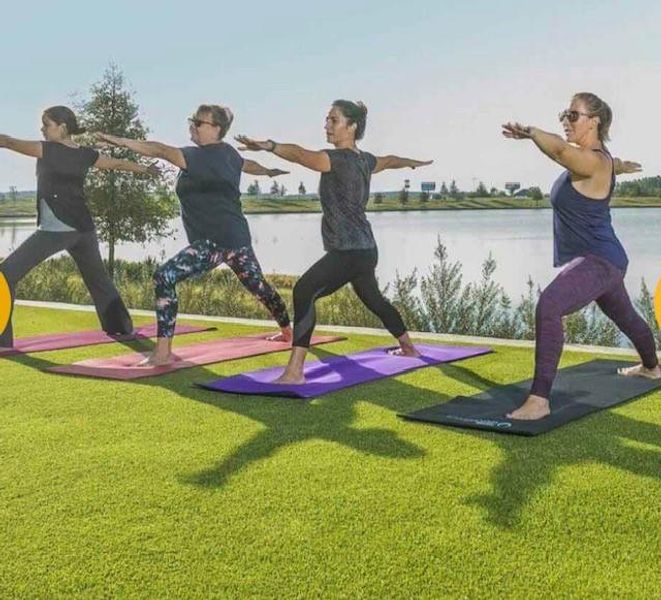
(202, 256)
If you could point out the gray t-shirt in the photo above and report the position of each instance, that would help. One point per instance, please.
(344, 192)
(48, 221)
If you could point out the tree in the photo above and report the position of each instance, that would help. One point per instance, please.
(444, 190)
(13, 194)
(253, 189)
(283, 190)
(378, 198)
(481, 191)
(126, 207)
(275, 189)
(404, 196)
(535, 193)
(301, 189)
(424, 196)
(454, 190)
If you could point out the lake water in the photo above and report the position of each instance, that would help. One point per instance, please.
(520, 241)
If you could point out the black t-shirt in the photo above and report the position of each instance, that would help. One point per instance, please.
(344, 192)
(61, 175)
(208, 190)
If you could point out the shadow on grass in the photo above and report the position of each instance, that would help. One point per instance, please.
(286, 421)
(529, 465)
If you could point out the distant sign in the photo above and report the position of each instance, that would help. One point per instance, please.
(428, 186)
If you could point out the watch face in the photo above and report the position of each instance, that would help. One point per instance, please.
(5, 303)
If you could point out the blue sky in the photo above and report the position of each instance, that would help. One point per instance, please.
(438, 77)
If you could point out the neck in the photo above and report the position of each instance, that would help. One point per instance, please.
(346, 145)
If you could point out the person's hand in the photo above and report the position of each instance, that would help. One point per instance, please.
(250, 144)
(153, 170)
(628, 166)
(276, 172)
(420, 163)
(107, 139)
(516, 131)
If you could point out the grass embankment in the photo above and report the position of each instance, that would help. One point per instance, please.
(296, 204)
(159, 489)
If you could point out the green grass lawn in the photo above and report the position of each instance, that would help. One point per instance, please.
(158, 489)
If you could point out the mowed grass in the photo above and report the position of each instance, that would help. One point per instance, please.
(158, 489)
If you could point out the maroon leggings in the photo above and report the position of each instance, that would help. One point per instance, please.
(585, 279)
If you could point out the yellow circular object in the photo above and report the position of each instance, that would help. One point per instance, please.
(657, 303)
(5, 303)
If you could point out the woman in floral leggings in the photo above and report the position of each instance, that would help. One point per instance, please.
(208, 190)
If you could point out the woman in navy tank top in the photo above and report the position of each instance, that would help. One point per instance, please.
(584, 243)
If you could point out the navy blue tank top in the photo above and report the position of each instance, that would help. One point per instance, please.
(582, 225)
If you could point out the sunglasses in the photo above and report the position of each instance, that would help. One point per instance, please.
(571, 115)
(198, 122)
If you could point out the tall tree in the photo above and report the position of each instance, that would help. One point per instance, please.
(126, 207)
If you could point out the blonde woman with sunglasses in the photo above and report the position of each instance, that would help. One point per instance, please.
(585, 244)
(217, 230)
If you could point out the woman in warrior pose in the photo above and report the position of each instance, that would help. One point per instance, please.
(585, 244)
(208, 190)
(63, 219)
(351, 252)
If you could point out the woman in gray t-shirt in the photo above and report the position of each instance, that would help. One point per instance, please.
(351, 253)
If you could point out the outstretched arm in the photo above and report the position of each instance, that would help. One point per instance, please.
(396, 162)
(626, 166)
(153, 149)
(581, 161)
(254, 168)
(28, 148)
(117, 164)
(317, 160)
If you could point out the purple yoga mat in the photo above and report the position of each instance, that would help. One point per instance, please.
(60, 341)
(338, 372)
(126, 367)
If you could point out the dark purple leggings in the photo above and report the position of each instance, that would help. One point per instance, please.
(585, 279)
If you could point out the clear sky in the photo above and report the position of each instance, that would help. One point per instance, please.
(438, 77)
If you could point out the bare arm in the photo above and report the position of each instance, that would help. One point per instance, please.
(117, 164)
(626, 166)
(581, 161)
(254, 168)
(317, 160)
(28, 148)
(153, 149)
(396, 162)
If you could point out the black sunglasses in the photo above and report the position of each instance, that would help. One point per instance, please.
(571, 115)
(197, 122)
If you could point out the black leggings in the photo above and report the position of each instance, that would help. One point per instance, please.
(84, 249)
(328, 275)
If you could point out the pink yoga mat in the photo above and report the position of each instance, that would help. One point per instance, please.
(125, 367)
(60, 341)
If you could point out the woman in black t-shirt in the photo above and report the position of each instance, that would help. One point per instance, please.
(351, 253)
(63, 219)
(217, 231)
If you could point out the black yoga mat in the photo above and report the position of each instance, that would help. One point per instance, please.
(577, 391)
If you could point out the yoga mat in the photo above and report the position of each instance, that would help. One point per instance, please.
(59, 341)
(577, 391)
(5, 303)
(125, 367)
(339, 372)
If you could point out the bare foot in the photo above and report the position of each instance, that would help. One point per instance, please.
(285, 335)
(157, 360)
(641, 371)
(535, 407)
(404, 350)
(290, 378)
